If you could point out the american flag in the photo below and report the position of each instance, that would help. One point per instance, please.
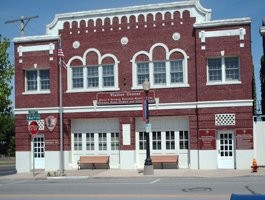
(61, 56)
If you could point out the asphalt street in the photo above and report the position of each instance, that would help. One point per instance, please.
(146, 188)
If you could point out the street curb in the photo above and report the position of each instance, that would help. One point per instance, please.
(67, 177)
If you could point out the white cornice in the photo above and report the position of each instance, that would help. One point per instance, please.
(138, 107)
(35, 38)
(262, 30)
(225, 22)
(196, 10)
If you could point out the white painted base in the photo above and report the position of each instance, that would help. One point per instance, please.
(127, 159)
(23, 161)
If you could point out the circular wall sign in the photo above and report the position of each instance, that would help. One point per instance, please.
(33, 128)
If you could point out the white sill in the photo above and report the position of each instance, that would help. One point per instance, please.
(37, 92)
(162, 86)
(92, 90)
(224, 83)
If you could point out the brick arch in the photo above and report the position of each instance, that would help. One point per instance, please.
(115, 23)
(66, 26)
(159, 53)
(75, 61)
(107, 60)
(176, 55)
(92, 58)
(142, 58)
(99, 24)
(90, 25)
(168, 18)
(74, 25)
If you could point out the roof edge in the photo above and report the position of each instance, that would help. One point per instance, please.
(36, 38)
(227, 22)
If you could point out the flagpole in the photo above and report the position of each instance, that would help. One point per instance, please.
(61, 114)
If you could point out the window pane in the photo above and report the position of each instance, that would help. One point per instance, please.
(44, 79)
(142, 72)
(92, 76)
(159, 72)
(90, 143)
(156, 140)
(176, 71)
(232, 68)
(170, 140)
(215, 69)
(142, 141)
(115, 141)
(77, 77)
(102, 141)
(183, 139)
(78, 141)
(108, 75)
(31, 80)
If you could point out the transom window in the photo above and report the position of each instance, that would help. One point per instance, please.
(37, 80)
(223, 70)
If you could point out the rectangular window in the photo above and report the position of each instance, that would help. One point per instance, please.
(159, 73)
(232, 68)
(142, 72)
(142, 140)
(92, 76)
(108, 75)
(215, 69)
(115, 141)
(170, 140)
(77, 76)
(78, 141)
(183, 139)
(102, 141)
(156, 140)
(176, 71)
(38, 80)
(223, 69)
(90, 142)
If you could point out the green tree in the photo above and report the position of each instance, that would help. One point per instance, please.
(6, 115)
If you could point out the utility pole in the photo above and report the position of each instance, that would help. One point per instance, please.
(23, 23)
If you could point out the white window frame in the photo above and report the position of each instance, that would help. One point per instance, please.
(38, 90)
(223, 80)
(168, 84)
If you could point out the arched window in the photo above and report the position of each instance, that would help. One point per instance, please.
(163, 68)
(93, 72)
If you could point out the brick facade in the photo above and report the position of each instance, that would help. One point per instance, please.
(161, 30)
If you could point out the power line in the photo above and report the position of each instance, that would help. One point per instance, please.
(23, 23)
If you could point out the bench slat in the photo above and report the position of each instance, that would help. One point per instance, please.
(93, 160)
(165, 159)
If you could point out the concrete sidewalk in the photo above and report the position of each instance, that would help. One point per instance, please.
(118, 173)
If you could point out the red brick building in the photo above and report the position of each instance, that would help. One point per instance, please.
(200, 73)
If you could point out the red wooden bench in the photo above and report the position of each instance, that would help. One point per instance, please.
(165, 159)
(93, 160)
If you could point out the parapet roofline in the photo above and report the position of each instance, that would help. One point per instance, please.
(36, 38)
(224, 22)
(194, 5)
